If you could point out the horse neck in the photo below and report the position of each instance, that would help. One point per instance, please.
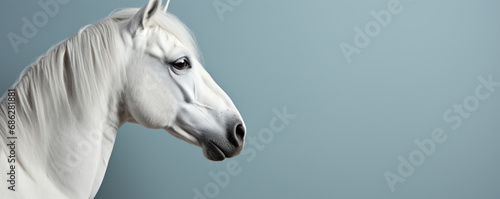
(59, 135)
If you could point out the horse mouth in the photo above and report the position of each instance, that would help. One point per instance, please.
(213, 152)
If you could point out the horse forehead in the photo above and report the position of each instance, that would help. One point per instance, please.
(165, 39)
(157, 38)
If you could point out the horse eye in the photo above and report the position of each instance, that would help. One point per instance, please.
(181, 64)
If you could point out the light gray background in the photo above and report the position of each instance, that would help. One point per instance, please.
(353, 120)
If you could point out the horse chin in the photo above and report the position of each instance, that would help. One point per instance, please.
(214, 147)
(217, 152)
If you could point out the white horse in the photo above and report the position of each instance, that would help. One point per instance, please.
(58, 124)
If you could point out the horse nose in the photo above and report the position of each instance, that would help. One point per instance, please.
(237, 135)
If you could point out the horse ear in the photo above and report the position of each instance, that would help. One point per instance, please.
(165, 7)
(143, 15)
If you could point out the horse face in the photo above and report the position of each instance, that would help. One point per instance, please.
(169, 88)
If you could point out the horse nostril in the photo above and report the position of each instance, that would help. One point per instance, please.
(240, 132)
(238, 135)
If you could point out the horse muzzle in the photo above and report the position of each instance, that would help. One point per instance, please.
(217, 148)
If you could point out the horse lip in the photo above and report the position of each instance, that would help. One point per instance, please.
(214, 152)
